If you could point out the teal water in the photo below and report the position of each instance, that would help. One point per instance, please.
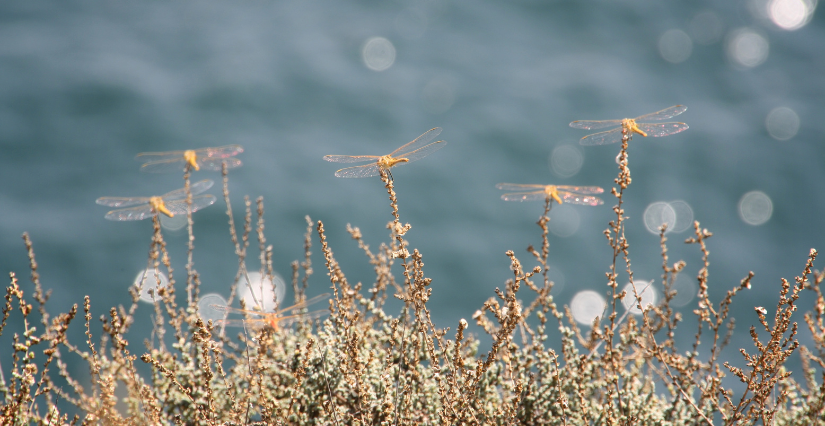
(84, 86)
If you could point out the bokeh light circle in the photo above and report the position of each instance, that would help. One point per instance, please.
(564, 220)
(645, 290)
(149, 286)
(205, 309)
(684, 216)
(378, 54)
(265, 292)
(685, 288)
(675, 46)
(782, 123)
(790, 15)
(566, 160)
(174, 223)
(586, 306)
(755, 208)
(657, 214)
(747, 48)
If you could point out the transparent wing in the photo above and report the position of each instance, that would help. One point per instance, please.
(145, 157)
(366, 170)
(256, 323)
(252, 323)
(132, 213)
(287, 320)
(519, 186)
(216, 164)
(524, 196)
(581, 189)
(196, 188)
(166, 165)
(305, 303)
(663, 114)
(351, 158)
(418, 142)
(587, 200)
(603, 138)
(219, 152)
(199, 202)
(228, 309)
(594, 124)
(121, 201)
(423, 151)
(662, 129)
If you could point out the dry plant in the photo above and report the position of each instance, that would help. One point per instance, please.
(364, 365)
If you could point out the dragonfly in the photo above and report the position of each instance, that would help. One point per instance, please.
(419, 148)
(533, 192)
(204, 158)
(170, 204)
(274, 320)
(632, 125)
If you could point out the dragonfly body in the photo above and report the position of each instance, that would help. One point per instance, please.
(274, 320)
(632, 125)
(170, 204)
(419, 148)
(560, 193)
(203, 158)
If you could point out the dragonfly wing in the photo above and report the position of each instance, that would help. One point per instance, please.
(603, 138)
(422, 152)
(167, 165)
(418, 142)
(132, 213)
(663, 114)
(662, 129)
(195, 188)
(519, 186)
(216, 164)
(524, 196)
(305, 303)
(145, 157)
(594, 124)
(367, 170)
(581, 189)
(121, 201)
(588, 200)
(219, 152)
(199, 202)
(351, 158)
(309, 316)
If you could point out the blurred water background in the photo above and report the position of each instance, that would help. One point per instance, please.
(84, 86)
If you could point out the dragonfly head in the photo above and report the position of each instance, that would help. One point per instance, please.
(159, 206)
(386, 161)
(191, 158)
(552, 192)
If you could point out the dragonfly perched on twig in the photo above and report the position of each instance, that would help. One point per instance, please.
(632, 125)
(419, 148)
(534, 192)
(203, 158)
(274, 320)
(170, 204)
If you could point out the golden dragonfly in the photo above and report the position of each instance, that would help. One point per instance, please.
(632, 125)
(170, 204)
(570, 194)
(419, 148)
(204, 158)
(274, 320)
